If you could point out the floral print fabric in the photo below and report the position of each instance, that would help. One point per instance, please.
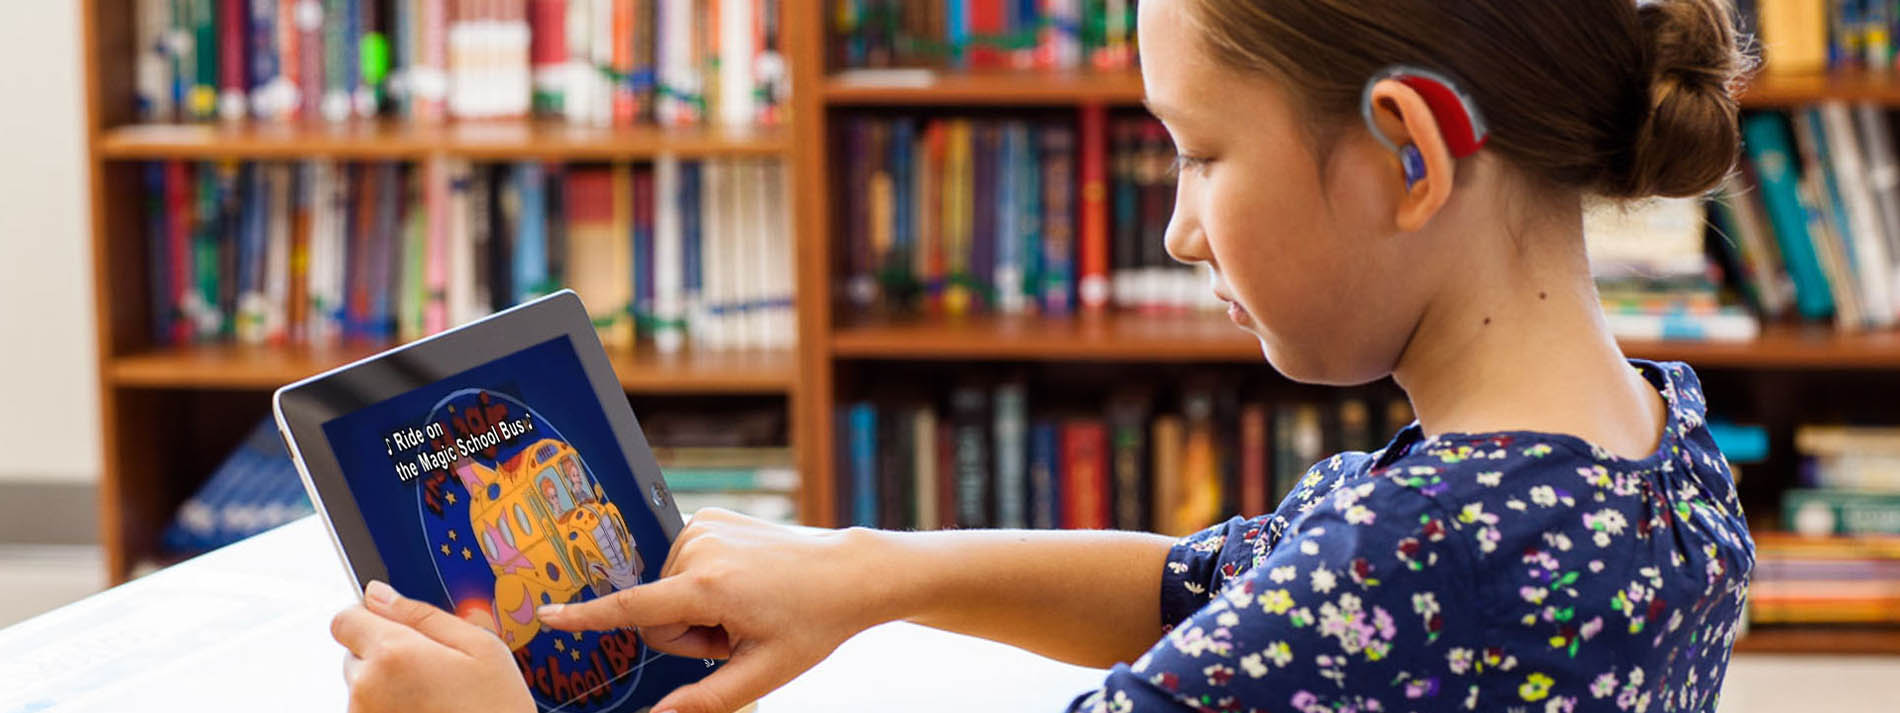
(1510, 571)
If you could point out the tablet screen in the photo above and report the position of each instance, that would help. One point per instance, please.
(500, 489)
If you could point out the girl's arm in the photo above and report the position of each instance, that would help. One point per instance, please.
(1088, 598)
(776, 600)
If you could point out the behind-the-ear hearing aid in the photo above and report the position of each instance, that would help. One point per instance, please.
(1459, 120)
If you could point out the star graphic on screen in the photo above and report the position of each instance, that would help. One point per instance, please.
(450, 497)
(451, 532)
(576, 653)
(445, 550)
(467, 554)
(577, 636)
(558, 646)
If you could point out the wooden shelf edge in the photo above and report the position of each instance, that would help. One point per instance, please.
(1820, 640)
(398, 140)
(243, 368)
(1211, 338)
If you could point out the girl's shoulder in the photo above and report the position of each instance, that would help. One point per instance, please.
(1532, 484)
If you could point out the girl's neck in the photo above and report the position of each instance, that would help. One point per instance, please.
(1513, 344)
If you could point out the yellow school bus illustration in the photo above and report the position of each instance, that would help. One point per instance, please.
(547, 530)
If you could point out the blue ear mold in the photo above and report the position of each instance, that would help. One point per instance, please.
(1414, 163)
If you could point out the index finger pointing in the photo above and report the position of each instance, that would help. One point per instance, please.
(667, 601)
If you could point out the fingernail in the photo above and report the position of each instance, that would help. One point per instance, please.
(379, 592)
(554, 610)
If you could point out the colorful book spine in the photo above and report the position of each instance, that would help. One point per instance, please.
(1085, 475)
(548, 53)
(1092, 207)
(863, 459)
(958, 207)
(1045, 476)
(1058, 227)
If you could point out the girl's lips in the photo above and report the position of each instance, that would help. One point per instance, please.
(1238, 314)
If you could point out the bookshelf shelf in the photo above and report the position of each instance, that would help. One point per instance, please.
(1837, 641)
(235, 367)
(1212, 338)
(994, 89)
(1787, 90)
(400, 140)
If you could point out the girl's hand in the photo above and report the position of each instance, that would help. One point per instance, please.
(409, 656)
(773, 600)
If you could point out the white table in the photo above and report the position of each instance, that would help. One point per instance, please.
(246, 628)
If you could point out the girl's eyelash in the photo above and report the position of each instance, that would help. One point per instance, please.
(1184, 162)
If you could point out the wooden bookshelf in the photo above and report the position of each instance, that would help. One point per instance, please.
(146, 472)
(644, 370)
(204, 397)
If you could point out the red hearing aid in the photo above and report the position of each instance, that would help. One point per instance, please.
(1458, 117)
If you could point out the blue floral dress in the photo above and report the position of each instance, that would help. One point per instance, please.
(1509, 571)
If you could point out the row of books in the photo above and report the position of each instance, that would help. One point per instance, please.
(984, 34)
(1012, 216)
(1838, 561)
(1825, 580)
(1809, 36)
(597, 62)
(1849, 482)
(1654, 276)
(1812, 227)
(254, 489)
(983, 456)
(761, 481)
(319, 252)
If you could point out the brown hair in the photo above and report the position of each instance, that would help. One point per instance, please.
(1623, 98)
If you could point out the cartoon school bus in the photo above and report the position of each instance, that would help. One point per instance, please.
(547, 530)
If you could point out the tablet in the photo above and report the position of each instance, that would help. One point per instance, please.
(492, 469)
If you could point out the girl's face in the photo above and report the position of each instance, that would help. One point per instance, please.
(1310, 261)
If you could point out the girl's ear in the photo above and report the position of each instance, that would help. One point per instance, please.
(1405, 117)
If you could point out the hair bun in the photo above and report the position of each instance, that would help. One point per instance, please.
(1690, 138)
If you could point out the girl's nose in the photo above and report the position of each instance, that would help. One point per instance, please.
(1185, 240)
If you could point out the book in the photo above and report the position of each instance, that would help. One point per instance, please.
(1009, 409)
(1046, 494)
(970, 453)
(1255, 485)
(1839, 512)
(863, 460)
(1129, 460)
(1085, 478)
(255, 488)
(1166, 444)
(926, 486)
(1092, 208)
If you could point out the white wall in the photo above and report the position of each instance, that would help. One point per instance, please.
(49, 413)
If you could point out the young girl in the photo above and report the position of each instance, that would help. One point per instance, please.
(1557, 532)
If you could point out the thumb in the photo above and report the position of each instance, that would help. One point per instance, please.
(424, 617)
(747, 676)
(667, 601)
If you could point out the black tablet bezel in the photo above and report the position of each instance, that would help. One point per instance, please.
(302, 408)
